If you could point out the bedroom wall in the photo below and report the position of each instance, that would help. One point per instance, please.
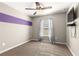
(15, 27)
(59, 21)
(73, 39)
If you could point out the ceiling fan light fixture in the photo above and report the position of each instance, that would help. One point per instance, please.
(39, 8)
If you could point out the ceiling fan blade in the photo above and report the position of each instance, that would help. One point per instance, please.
(49, 7)
(34, 13)
(30, 9)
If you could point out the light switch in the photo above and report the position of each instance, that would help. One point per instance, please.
(3, 44)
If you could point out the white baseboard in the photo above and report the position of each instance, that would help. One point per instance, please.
(68, 47)
(13, 47)
(60, 43)
(70, 50)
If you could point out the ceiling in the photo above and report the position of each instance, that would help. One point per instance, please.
(56, 7)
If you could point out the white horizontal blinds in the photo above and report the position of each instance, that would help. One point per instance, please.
(45, 27)
(46, 23)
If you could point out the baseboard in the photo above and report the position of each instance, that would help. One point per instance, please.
(70, 50)
(60, 43)
(13, 47)
(68, 47)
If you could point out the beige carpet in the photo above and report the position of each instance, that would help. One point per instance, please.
(38, 49)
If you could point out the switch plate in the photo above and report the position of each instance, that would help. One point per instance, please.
(3, 44)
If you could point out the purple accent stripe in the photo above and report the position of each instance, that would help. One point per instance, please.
(12, 19)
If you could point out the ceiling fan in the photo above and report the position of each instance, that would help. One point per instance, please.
(38, 7)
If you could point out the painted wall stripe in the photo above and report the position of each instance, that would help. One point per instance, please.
(14, 20)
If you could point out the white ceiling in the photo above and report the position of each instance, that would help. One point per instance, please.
(56, 7)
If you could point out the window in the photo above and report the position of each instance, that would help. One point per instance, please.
(45, 27)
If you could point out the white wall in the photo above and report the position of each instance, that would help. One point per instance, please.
(72, 41)
(35, 28)
(59, 21)
(13, 34)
